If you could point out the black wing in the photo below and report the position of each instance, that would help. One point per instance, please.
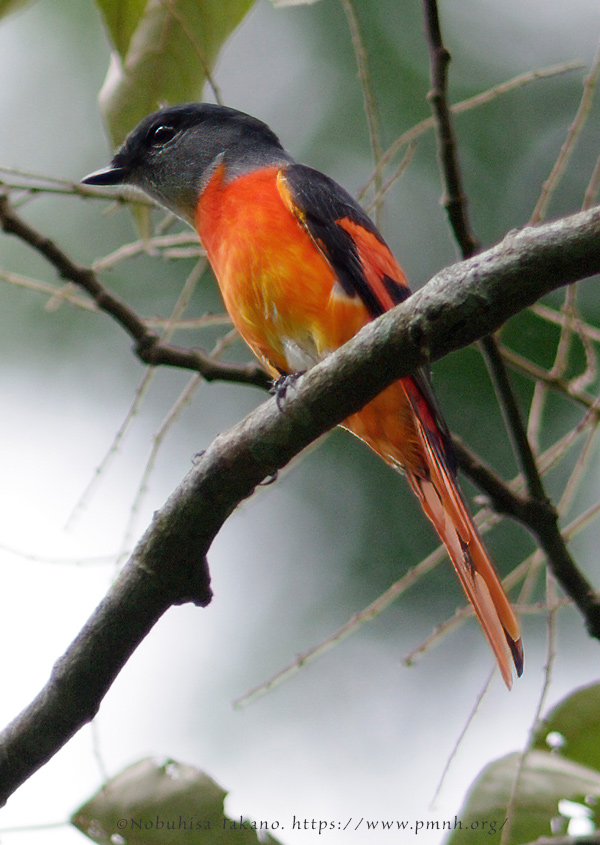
(320, 204)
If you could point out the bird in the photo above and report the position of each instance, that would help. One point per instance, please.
(301, 268)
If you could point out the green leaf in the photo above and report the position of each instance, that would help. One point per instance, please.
(152, 804)
(546, 779)
(170, 57)
(7, 7)
(279, 4)
(121, 18)
(574, 725)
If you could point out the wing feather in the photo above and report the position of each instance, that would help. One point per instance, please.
(346, 236)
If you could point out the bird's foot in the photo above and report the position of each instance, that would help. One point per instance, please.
(282, 385)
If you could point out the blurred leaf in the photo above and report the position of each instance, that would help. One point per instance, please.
(170, 56)
(142, 214)
(576, 722)
(9, 6)
(121, 18)
(279, 4)
(545, 779)
(147, 802)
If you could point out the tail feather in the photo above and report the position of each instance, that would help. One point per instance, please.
(444, 505)
(405, 428)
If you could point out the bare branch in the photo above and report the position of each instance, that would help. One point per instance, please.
(549, 186)
(148, 344)
(459, 305)
(369, 102)
(412, 135)
(455, 199)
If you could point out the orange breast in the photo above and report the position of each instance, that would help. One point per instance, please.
(275, 283)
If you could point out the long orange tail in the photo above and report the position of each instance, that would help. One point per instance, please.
(444, 505)
(421, 451)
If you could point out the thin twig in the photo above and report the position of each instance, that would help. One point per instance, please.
(585, 104)
(389, 183)
(513, 418)
(140, 393)
(455, 198)
(591, 192)
(148, 346)
(581, 465)
(561, 358)
(531, 370)
(111, 452)
(553, 605)
(370, 612)
(193, 40)
(559, 318)
(149, 246)
(174, 412)
(415, 132)
(370, 104)
(459, 740)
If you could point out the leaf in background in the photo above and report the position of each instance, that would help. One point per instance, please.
(121, 18)
(576, 723)
(149, 804)
(281, 3)
(9, 6)
(546, 779)
(169, 58)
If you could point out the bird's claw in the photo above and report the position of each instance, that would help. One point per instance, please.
(282, 385)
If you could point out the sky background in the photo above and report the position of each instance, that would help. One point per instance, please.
(356, 734)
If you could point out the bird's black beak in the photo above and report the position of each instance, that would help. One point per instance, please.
(111, 175)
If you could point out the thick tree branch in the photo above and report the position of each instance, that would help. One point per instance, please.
(459, 305)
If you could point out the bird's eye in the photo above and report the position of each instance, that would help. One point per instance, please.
(161, 135)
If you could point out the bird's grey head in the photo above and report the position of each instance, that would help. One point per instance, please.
(173, 152)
